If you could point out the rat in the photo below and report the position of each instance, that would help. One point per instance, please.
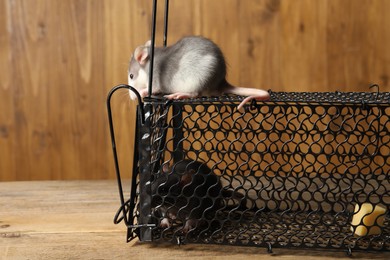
(192, 67)
(188, 192)
(191, 194)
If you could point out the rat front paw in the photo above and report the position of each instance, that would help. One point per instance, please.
(165, 223)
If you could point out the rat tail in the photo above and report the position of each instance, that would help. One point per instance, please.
(250, 93)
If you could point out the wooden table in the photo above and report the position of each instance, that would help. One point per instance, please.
(74, 220)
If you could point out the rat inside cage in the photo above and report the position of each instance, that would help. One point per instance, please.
(302, 170)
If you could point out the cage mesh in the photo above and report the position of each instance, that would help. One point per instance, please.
(294, 171)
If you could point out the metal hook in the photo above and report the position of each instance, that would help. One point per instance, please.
(124, 209)
(377, 90)
(253, 105)
(114, 89)
(122, 212)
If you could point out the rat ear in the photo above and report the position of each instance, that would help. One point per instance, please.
(166, 169)
(148, 43)
(141, 54)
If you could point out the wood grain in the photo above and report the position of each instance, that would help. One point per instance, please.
(73, 220)
(58, 60)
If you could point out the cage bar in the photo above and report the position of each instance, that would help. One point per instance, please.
(302, 170)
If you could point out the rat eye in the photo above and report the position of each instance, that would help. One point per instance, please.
(131, 76)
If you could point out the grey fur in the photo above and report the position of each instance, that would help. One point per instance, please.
(167, 64)
(194, 66)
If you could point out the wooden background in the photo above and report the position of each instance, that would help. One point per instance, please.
(59, 58)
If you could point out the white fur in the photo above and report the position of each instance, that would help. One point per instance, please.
(140, 84)
(192, 71)
(131, 83)
(165, 223)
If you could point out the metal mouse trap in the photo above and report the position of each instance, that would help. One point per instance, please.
(301, 170)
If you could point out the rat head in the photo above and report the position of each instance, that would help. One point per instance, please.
(138, 72)
(174, 179)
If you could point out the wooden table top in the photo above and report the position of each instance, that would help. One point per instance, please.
(74, 220)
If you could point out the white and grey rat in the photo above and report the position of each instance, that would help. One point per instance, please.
(192, 67)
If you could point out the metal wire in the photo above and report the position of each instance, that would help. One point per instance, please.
(153, 40)
(127, 207)
(166, 23)
(292, 171)
(295, 168)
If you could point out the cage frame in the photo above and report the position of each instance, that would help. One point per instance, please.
(141, 225)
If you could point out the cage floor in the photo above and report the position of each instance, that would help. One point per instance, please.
(279, 229)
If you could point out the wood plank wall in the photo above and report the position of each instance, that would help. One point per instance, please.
(59, 58)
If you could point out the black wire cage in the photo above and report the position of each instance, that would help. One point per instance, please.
(302, 170)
